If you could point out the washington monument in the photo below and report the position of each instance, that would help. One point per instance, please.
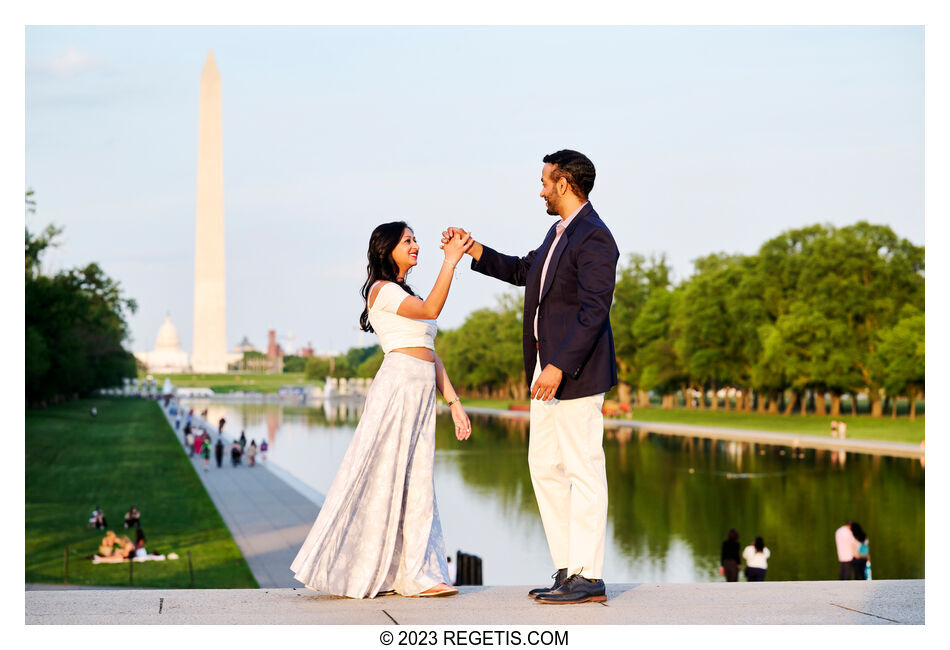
(209, 353)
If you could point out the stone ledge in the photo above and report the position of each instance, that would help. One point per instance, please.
(878, 602)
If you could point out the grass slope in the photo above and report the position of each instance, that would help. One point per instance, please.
(127, 455)
(235, 382)
(863, 427)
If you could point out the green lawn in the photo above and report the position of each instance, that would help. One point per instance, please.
(234, 382)
(863, 426)
(127, 455)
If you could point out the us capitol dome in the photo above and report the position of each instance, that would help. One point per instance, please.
(167, 357)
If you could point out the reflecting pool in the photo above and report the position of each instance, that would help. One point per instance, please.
(672, 498)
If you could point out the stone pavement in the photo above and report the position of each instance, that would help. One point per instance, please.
(876, 602)
(268, 512)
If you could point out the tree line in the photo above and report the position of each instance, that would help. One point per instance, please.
(75, 325)
(817, 314)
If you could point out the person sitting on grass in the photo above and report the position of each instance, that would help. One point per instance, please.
(98, 519)
(132, 518)
(108, 551)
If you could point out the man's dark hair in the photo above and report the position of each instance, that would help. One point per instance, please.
(575, 168)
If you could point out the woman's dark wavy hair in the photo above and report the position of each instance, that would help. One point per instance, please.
(858, 532)
(380, 264)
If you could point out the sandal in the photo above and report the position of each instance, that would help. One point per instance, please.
(440, 589)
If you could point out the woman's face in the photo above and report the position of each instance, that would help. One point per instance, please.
(406, 253)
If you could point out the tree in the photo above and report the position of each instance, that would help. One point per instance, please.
(317, 368)
(484, 354)
(293, 363)
(708, 343)
(901, 352)
(636, 283)
(370, 366)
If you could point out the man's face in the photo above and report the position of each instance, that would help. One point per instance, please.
(549, 189)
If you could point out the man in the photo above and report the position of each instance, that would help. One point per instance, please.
(569, 355)
(844, 542)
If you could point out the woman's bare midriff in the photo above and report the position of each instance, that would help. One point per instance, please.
(419, 353)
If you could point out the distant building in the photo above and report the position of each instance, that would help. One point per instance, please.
(306, 351)
(274, 350)
(245, 346)
(167, 357)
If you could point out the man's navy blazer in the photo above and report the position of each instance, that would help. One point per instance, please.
(574, 316)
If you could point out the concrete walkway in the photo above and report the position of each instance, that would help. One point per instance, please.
(268, 512)
(798, 440)
(878, 602)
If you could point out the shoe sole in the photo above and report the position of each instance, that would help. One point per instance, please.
(437, 594)
(589, 599)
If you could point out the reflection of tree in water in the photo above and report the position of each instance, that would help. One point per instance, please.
(696, 489)
(665, 488)
(494, 458)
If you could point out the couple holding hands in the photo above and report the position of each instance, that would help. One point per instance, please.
(378, 531)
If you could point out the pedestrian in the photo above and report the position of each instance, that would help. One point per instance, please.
(177, 422)
(219, 451)
(251, 453)
(862, 554)
(187, 432)
(263, 450)
(206, 450)
(235, 454)
(189, 442)
(243, 441)
(756, 557)
(199, 440)
(844, 543)
(220, 426)
(729, 562)
(834, 428)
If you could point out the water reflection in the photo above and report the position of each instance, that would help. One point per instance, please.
(672, 499)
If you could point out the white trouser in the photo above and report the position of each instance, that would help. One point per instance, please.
(568, 472)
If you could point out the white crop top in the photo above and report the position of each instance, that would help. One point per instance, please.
(395, 331)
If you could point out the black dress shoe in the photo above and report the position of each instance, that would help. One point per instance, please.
(576, 589)
(559, 577)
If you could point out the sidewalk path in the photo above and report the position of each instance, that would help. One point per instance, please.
(876, 602)
(268, 513)
(799, 440)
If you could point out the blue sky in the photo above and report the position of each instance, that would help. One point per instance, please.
(705, 139)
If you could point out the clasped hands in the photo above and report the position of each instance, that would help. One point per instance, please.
(546, 385)
(456, 244)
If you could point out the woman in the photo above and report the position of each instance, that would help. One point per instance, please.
(756, 560)
(379, 531)
(251, 453)
(729, 563)
(862, 554)
(206, 450)
(132, 518)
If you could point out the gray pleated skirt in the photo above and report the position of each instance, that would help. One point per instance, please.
(379, 528)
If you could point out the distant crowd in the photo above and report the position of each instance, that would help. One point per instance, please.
(197, 440)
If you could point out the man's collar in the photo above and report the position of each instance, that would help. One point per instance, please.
(567, 221)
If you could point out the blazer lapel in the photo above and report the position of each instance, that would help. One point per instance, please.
(535, 272)
(552, 265)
